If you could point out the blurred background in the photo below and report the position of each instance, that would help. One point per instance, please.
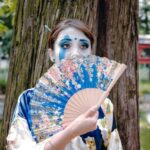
(7, 13)
(144, 73)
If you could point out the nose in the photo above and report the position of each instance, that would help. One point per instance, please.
(75, 53)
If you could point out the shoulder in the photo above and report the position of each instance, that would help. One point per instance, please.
(26, 93)
(22, 105)
(25, 96)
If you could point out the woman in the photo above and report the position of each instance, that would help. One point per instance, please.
(93, 130)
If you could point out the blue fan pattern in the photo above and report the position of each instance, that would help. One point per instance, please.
(62, 81)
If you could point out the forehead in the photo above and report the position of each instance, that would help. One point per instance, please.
(72, 33)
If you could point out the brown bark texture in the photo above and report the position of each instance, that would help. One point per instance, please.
(117, 39)
(114, 24)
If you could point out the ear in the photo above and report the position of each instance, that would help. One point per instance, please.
(51, 55)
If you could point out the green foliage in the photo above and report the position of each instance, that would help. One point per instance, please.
(144, 132)
(144, 17)
(7, 42)
(3, 28)
(144, 87)
(11, 4)
(7, 13)
(3, 86)
(3, 80)
(145, 136)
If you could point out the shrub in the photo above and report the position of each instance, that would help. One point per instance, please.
(3, 80)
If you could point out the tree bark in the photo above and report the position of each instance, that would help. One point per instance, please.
(29, 58)
(114, 24)
(118, 38)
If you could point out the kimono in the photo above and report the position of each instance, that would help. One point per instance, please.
(22, 137)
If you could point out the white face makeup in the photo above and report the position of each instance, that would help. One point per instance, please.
(70, 42)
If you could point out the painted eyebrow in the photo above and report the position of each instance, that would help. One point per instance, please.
(83, 40)
(66, 39)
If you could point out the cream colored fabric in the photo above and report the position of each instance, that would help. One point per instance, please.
(20, 138)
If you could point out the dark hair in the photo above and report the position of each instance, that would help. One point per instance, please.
(75, 23)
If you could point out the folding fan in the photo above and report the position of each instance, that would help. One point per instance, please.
(69, 89)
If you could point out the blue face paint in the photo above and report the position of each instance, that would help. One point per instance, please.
(64, 45)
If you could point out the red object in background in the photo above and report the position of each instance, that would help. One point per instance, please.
(144, 49)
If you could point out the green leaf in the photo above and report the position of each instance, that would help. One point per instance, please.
(3, 28)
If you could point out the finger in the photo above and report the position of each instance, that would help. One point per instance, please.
(94, 108)
(91, 111)
(65, 125)
(93, 122)
(96, 115)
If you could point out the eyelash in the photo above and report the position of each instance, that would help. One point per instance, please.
(67, 46)
(84, 46)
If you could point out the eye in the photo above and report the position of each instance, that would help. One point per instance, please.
(84, 46)
(65, 45)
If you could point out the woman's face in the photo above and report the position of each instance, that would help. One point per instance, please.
(71, 42)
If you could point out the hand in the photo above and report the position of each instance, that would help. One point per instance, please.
(81, 125)
(84, 123)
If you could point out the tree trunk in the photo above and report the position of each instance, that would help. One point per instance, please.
(29, 59)
(118, 40)
(114, 24)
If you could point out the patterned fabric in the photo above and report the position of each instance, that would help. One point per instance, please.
(105, 137)
(20, 138)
